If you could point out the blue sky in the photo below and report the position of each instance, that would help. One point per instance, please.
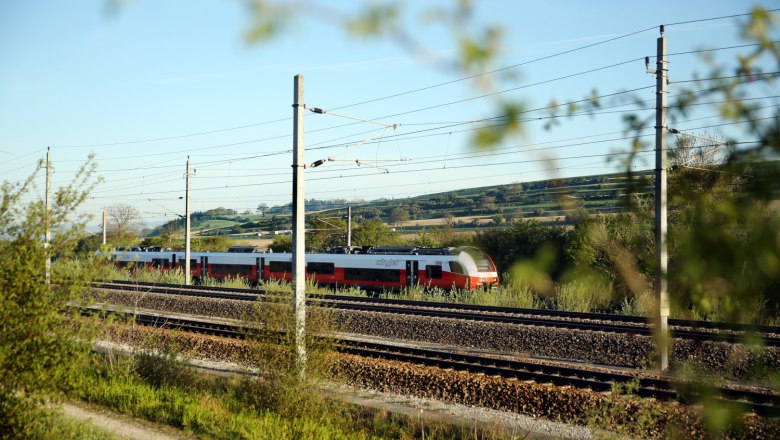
(92, 77)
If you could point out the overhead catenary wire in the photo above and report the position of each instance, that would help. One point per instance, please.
(373, 99)
(497, 151)
(526, 161)
(709, 126)
(460, 79)
(722, 17)
(471, 122)
(751, 75)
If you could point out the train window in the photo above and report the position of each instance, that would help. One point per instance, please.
(357, 274)
(193, 262)
(231, 269)
(456, 267)
(480, 259)
(280, 266)
(159, 262)
(320, 268)
(433, 272)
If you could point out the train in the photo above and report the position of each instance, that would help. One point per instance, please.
(369, 268)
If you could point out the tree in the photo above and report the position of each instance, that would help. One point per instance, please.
(282, 243)
(123, 223)
(398, 215)
(262, 208)
(487, 203)
(448, 219)
(218, 243)
(425, 239)
(43, 345)
(374, 233)
(523, 242)
(513, 214)
(325, 233)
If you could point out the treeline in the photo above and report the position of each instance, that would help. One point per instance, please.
(314, 205)
(505, 203)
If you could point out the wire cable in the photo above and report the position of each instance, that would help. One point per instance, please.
(723, 17)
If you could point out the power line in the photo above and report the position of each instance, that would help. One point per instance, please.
(470, 165)
(367, 101)
(500, 69)
(424, 108)
(723, 17)
(152, 182)
(418, 89)
(201, 133)
(765, 75)
(719, 48)
(494, 152)
(425, 170)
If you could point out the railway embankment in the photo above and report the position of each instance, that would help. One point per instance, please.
(622, 349)
(622, 412)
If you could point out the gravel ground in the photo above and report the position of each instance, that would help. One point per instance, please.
(645, 417)
(513, 424)
(624, 350)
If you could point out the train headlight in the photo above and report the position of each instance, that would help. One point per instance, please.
(482, 280)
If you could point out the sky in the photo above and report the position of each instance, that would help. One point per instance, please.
(143, 85)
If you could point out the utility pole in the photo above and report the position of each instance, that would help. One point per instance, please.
(187, 273)
(104, 227)
(661, 258)
(299, 227)
(47, 241)
(349, 226)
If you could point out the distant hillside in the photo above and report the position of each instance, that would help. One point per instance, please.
(547, 200)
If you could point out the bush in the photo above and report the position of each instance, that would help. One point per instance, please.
(42, 342)
(582, 297)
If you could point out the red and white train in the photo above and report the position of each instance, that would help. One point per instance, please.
(373, 268)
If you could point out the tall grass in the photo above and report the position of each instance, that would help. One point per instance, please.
(107, 272)
(582, 297)
(278, 403)
(232, 282)
(572, 296)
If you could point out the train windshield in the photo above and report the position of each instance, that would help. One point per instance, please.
(481, 259)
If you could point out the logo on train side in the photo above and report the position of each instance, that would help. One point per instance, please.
(388, 262)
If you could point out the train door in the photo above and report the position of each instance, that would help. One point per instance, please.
(204, 266)
(259, 266)
(412, 267)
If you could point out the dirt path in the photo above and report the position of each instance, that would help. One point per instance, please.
(121, 425)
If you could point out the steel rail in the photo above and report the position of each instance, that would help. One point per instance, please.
(543, 318)
(761, 403)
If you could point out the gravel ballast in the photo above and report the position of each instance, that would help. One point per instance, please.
(605, 348)
(644, 417)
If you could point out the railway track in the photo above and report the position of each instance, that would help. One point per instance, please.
(761, 402)
(681, 329)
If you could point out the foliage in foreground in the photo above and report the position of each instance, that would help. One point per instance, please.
(42, 344)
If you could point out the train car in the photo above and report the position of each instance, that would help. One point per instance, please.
(371, 268)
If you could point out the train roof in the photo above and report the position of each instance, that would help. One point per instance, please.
(391, 250)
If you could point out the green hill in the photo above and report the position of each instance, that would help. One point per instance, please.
(545, 200)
